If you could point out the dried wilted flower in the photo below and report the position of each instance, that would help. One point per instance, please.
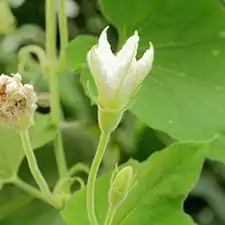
(17, 102)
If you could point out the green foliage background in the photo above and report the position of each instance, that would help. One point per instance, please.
(175, 126)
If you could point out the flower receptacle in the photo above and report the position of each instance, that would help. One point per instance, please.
(108, 121)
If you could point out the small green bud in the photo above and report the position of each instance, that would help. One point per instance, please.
(122, 182)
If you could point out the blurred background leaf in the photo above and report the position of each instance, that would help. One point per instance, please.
(31, 212)
(159, 193)
(11, 151)
(187, 77)
(7, 20)
(76, 51)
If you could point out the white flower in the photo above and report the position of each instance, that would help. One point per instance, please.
(17, 102)
(118, 76)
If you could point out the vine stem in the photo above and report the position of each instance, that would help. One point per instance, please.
(63, 29)
(25, 52)
(104, 139)
(110, 215)
(53, 82)
(35, 171)
(28, 188)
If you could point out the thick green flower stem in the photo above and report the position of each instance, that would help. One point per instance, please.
(108, 122)
(110, 215)
(35, 171)
(53, 82)
(104, 139)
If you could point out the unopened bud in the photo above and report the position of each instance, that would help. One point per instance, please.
(122, 182)
(17, 102)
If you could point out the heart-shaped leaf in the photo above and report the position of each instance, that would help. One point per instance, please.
(163, 182)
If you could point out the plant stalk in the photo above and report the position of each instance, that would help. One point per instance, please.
(35, 171)
(110, 215)
(63, 29)
(53, 82)
(104, 139)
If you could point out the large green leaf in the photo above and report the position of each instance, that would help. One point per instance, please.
(163, 183)
(184, 95)
(217, 148)
(76, 51)
(1, 185)
(135, 14)
(33, 212)
(11, 151)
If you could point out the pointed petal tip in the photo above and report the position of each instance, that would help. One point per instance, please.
(151, 45)
(136, 36)
(105, 29)
(132, 41)
(136, 33)
(150, 50)
(104, 33)
(148, 57)
(103, 36)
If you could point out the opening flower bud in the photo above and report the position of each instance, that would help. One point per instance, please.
(17, 102)
(122, 182)
(118, 76)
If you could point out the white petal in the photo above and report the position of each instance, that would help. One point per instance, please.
(144, 64)
(96, 67)
(126, 57)
(109, 62)
(104, 49)
(129, 51)
(99, 72)
(138, 73)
